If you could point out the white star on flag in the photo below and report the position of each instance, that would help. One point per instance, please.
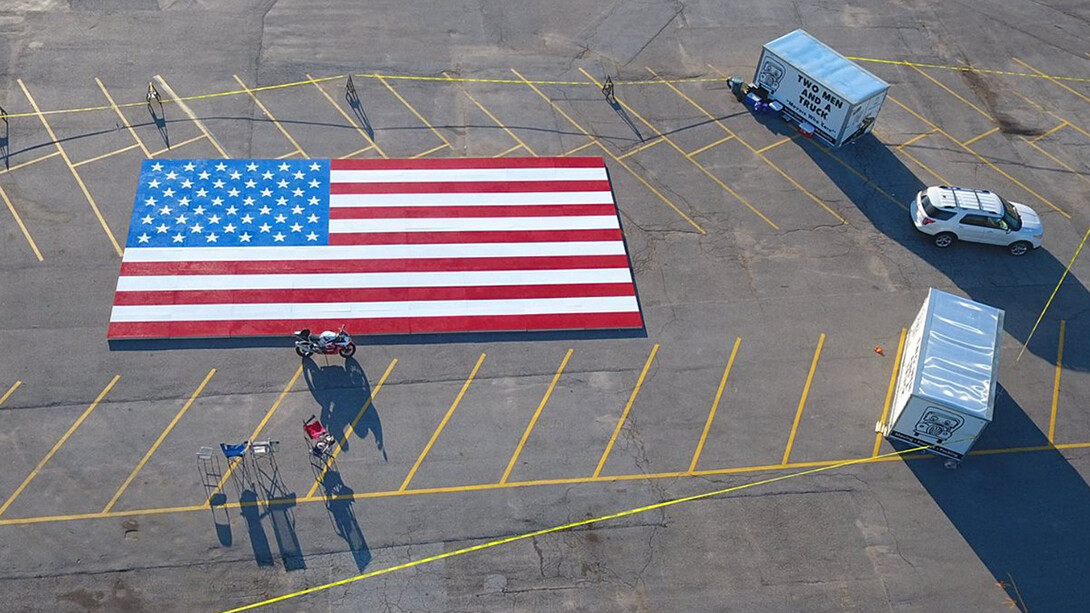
(179, 237)
(278, 237)
(251, 167)
(284, 167)
(221, 167)
(172, 175)
(189, 167)
(244, 237)
(157, 167)
(143, 238)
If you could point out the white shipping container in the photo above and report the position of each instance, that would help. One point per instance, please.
(945, 391)
(817, 85)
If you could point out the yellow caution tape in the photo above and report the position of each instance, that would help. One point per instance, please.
(1008, 73)
(569, 526)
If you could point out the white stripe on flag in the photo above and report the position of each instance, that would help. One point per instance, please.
(371, 252)
(373, 280)
(424, 175)
(471, 224)
(368, 310)
(474, 199)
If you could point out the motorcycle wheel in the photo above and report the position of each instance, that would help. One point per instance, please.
(303, 353)
(348, 350)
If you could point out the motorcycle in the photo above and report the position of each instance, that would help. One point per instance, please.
(326, 343)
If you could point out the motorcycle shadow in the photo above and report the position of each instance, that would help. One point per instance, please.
(343, 394)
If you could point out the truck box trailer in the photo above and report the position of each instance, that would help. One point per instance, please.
(945, 390)
(818, 86)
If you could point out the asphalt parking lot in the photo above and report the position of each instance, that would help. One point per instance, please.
(776, 277)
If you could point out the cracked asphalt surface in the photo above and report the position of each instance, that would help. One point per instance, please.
(1006, 531)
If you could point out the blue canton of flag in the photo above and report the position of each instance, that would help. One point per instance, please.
(231, 203)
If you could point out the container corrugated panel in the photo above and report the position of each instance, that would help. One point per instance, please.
(961, 353)
(818, 61)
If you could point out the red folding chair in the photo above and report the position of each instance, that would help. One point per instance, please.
(320, 440)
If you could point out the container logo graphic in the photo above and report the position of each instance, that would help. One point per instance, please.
(937, 424)
(771, 74)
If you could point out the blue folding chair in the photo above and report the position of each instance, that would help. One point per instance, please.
(234, 451)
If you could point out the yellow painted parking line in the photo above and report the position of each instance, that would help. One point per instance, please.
(802, 401)
(605, 150)
(57, 446)
(347, 117)
(537, 413)
(372, 394)
(288, 154)
(927, 168)
(1050, 131)
(158, 441)
(1048, 303)
(496, 121)
(1054, 80)
(1055, 384)
(889, 391)
(715, 405)
(737, 196)
(29, 162)
(624, 414)
(592, 143)
(189, 112)
(11, 390)
(780, 171)
(915, 139)
(442, 424)
(508, 150)
(734, 470)
(709, 146)
(412, 110)
(75, 173)
(980, 136)
(175, 146)
(430, 151)
(122, 117)
(22, 226)
(777, 144)
(953, 93)
(536, 533)
(1070, 124)
(866, 180)
(268, 114)
(106, 155)
(1055, 159)
(355, 153)
(1008, 73)
(642, 147)
(257, 430)
(983, 159)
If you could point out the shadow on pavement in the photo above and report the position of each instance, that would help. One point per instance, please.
(278, 507)
(258, 540)
(1024, 514)
(985, 273)
(342, 391)
(339, 503)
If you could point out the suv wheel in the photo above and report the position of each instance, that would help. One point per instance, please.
(1020, 248)
(945, 239)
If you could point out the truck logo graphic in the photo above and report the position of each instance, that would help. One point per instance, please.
(937, 424)
(771, 74)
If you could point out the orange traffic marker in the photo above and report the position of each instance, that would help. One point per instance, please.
(878, 350)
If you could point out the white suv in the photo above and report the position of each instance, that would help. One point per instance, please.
(977, 215)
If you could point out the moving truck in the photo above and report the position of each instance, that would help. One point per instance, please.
(818, 86)
(945, 390)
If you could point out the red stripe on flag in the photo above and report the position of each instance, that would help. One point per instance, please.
(377, 326)
(468, 163)
(565, 262)
(385, 294)
(484, 236)
(540, 210)
(468, 187)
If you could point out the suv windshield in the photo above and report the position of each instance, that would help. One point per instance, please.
(932, 210)
(1011, 216)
